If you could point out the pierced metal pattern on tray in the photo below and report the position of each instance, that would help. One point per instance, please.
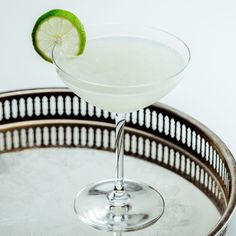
(158, 134)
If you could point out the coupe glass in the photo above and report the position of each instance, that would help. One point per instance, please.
(119, 204)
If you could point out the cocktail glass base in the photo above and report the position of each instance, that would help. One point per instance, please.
(144, 206)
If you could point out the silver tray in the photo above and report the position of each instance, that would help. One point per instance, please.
(52, 143)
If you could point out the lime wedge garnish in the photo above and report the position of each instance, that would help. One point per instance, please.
(58, 27)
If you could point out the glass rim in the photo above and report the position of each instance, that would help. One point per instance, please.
(173, 36)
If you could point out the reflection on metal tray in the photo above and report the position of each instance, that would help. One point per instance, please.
(173, 152)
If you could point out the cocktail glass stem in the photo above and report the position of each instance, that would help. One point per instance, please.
(119, 177)
(117, 234)
(118, 197)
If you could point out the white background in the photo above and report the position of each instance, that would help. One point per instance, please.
(208, 90)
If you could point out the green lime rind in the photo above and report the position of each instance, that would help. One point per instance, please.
(66, 15)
